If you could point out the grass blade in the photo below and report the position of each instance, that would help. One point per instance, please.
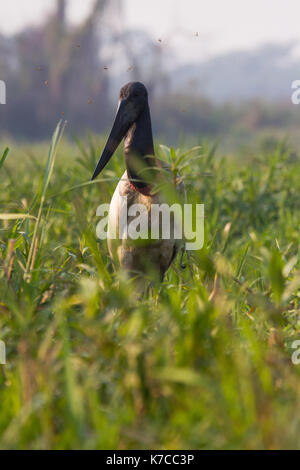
(47, 176)
(3, 158)
(16, 216)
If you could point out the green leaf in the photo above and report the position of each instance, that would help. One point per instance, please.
(16, 216)
(3, 158)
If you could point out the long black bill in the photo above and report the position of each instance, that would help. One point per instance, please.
(119, 129)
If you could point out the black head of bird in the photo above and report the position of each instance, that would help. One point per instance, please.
(133, 123)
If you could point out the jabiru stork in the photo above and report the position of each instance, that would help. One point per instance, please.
(133, 123)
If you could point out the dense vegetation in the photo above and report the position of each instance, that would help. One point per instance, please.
(204, 361)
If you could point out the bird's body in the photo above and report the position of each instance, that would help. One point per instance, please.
(150, 255)
(133, 122)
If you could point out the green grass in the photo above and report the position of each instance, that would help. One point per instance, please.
(203, 362)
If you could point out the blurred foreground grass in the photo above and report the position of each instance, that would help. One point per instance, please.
(203, 362)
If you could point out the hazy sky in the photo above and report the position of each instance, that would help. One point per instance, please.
(223, 25)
